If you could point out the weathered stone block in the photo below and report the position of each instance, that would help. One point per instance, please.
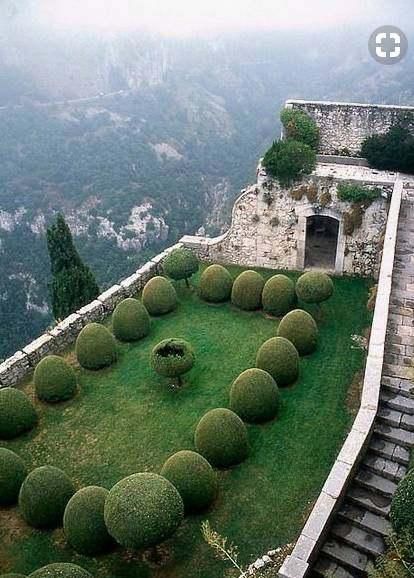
(94, 311)
(14, 369)
(38, 348)
(111, 297)
(293, 568)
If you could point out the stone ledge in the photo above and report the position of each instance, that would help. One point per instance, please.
(293, 568)
(39, 348)
(14, 369)
(91, 312)
(111, 297)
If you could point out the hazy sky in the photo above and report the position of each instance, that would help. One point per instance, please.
(194, 16)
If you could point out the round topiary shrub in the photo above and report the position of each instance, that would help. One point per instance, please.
(254, 396)
(194, 478)
(130, 320)
(402, 506)
(83, 521)
(159, 296)
(314, 287)
(61, 570)
(300, 328)
(12, 474)
(95, 347)
(17, 413)
(280, 358)
(278, 295)
(180, 264)
(221, 437)
(143, 510)
(247, 291)
(172, 358)
(44, 495)
(54, 379)
(215, 284)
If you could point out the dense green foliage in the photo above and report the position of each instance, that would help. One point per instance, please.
(402, 506)
(12, 575)
(180, 264)
(54, 379)
(278, 295)
(73, 284)
(289, 160)
(143, 510)
(61, 570)
(300, 328)
(314, 287)
(95, 347)
(159, 296)
(247, 290)
(300, 126)
(130, 320)
(215, 284)
(83, 521)
(194, 478)
(12, 474)
(172, 357)
(17, 413)
(393, 150)
(254, 396)
(221, 437)
(44, 495)
(355, 193)
(280, 358)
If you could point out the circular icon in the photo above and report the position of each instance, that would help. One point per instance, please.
(388, 44)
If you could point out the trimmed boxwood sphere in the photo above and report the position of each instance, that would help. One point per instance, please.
(83, 521)
(314, 287)
(61, 570)
(194, 478)
(402, 506)
(130, 320)
(221, 437)
(254, 396)
(300, 328)
(215, 284)
(17, 413)
(172, 357)
(44, 495)
(12, 474)
(280, 358)
(180, 264)
(143, 510)
(95, 347)
(278, 295)
(247, 291)
(54, 379)
(159, 296)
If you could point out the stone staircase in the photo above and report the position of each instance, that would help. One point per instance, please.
(360, 526)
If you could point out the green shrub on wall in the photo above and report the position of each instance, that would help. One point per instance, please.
(54, 379)
(300, 126)
(61, 570)
(17, 414)
(130, 320)
(254, 396)
(393, 150)
(355, 193)
(289, 161)
(13, 472)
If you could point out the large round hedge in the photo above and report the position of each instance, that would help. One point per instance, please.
(44, 495)
(221, 437)
(314, 287)
(215, 284)
(17, 413)
(54, 379)
(278, 295)
(83, 521)
(254, 396)
(247, 290)
(280, 358)
(181, 263)
(402, 506)
(130, 320)
(300, 328)
(194, 478)
(172, 357)
(159, 296)
(95, 347)
(12, 474)
(143, 510)
(61, 570)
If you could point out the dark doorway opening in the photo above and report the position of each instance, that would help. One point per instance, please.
(321, 242)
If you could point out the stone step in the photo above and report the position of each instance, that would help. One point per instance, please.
(353, 560)
(365, 520)
(389, 450)
(369, 500)
(400, 371)
(389, 416)
(398, 402)
(376, 483)
(359, 539)
(395, 435)
(326, 568)
(383, 467)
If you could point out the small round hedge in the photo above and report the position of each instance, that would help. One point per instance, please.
(280, 358)
(402, 506)
(54, 379)
(278, 295)
(143, 510)
(159, 296)
(17, 413)
(61, 570)
(130, 320)
(215, 284)
(95, 347)
(300, 328)
(221, 437)
(247, 291)
(180, 264)
(12, 474)
(44, 495)
(254, 396)
(83, 521)
(314, 287)
(172, 357)
(194, 478)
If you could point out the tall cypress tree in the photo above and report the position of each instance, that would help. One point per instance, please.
(73, 284)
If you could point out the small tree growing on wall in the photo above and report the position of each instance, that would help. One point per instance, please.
(289, 160)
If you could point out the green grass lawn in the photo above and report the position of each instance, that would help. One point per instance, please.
(125, 420)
